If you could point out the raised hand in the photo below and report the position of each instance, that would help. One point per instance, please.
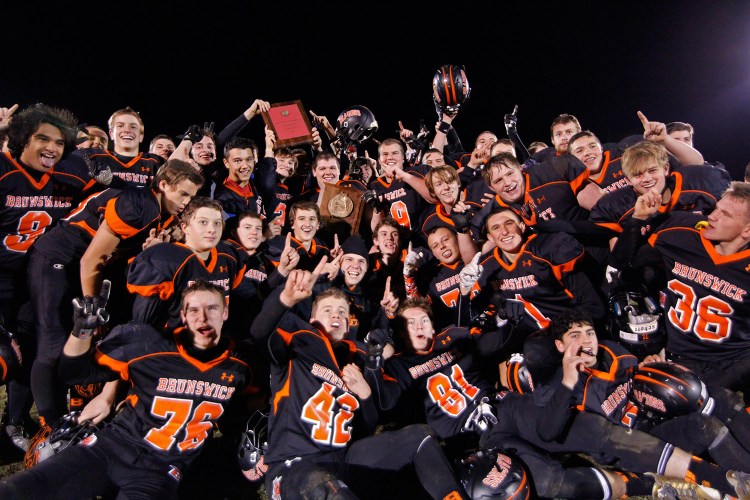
(289, 257)
(389, 303)
(5, 115)
(257, 107)
(194, 134)
(414, 259)
(89, 313)
(332, 268)
(299, 284)
(647, 204)
(404, 133)
(470, 274)
(572, 364)
(355, 381)
(653, 131)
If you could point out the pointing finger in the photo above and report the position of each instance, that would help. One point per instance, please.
(400, 125)
(12, 109)
(409, 251)
(643, 119)
(387, 285)
(319, 268)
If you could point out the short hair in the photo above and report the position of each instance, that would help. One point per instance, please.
(747, 172)
(506, 160)
(238, 143)
(566, 320)
(303, 205)
(388, 221)
(537, 146)
(415, 303)
(637, 157)
(124, 111)
(202, 286)
(739, 191)
(433, 150)
(435, 229)
(197, 203)
(325, 155)
(680, 126)
(286, 153)
(23, 125)
(484, 132)
(584, 133)
(501, 210)
(156, 138)
(391, 141)
(563, 119)
(329, 292)
(175, 171)
(444, 173)
(232, 224)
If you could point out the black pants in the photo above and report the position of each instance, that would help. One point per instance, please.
(85, 471)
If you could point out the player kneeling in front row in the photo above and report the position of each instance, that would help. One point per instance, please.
(180, 386)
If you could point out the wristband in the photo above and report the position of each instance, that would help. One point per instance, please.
(444, 127)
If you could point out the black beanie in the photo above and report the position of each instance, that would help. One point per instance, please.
(356, 245)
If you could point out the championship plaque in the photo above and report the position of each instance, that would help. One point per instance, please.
(341, 204)
(289, 122)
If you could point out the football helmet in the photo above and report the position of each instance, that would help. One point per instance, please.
(10, 355)
(253, 446)
(636, 320)
(67, 431)
(517, 377)
(665, 390)
(355, 124)
(450, 88)
(492, 474)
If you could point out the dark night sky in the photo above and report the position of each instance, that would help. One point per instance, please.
(601, 62)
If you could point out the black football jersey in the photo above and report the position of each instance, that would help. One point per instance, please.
(434, 217)
(446, 379)
(707, 309)
(32, 203)
(537, 277)
(404, 203)
(235, 198)
(159, 274)
(136, 170)
(443, 290)
(174, 400)
(308, 259)
(611, 177)
(693, 189)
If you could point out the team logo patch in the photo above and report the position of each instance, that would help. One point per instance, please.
(175, 472)
(276, 488)
(88, 441)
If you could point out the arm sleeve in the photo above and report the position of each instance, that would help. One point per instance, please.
(147, 310)
(83, 370)
(554, 416)
(231, 130)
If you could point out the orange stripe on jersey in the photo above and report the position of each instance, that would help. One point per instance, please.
(83, 225)
(164, 290)
(238, 279)
(612, 226)
(115, 223)
(203, 367)
(37, 185)
(284, 391)
(577, 183)
(4, 368)
(115, 365)
(717, 258)
(132, 399)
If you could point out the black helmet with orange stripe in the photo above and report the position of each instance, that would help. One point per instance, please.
(450, 88)
(517, 376)
(494, 474)
(665, 390)
(355, 124)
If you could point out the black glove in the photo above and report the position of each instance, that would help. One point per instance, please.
(89, 313)
(374, 359)
(194, 134)
(507, 309)
(98, 170)
(371, 198)
(461, 220)
(379, 336)
(511, 122)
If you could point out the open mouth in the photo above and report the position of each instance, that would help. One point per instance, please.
(48, 160)
(586, 350)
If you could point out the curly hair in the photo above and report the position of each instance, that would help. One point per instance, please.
(23, 125)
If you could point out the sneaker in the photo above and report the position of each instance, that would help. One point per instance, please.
(679, 489)
(32, 453)
(741, 483)
(18, 436)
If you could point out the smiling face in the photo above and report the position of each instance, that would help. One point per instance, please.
(44, 149)
(353, 267)
(589, 151)
(445, 192)
(240, 164)
(305, 225)
(387, 240)
(204, 151)
(419, 328)
(433, 159)
(327, 170)
(508, 182)
(390, 157)
(333, 315)
(444, 245)
(249, 233)
(126, 134)
(583, 338)
(505, 230)
(203, 230)
(652, 177)
(285, 166)
(204, 313)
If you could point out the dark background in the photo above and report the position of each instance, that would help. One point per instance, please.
(179, 64)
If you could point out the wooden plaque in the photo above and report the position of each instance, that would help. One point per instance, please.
(341, 204)
(289, 122)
